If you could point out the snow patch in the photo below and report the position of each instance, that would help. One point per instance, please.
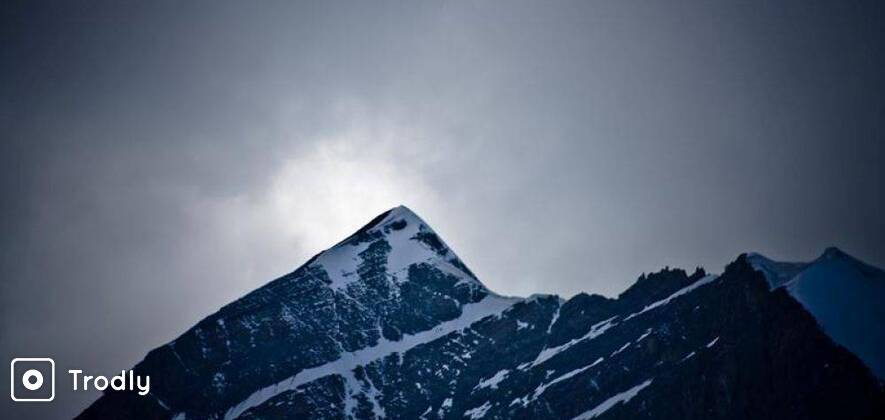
(341, 262)
(595, 331)
(624, 347)
(687, 289)
(446, 404)
(373, 393)
(620, 398)
(478, 412)
(553, 320)
(350, 391)
(493, 381)
(543, 387)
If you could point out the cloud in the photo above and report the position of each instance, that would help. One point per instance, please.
(320, 197)
(339, 180)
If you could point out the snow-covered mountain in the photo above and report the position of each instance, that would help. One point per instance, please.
(391, 323)
(846, 296)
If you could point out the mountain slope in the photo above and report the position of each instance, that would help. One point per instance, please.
(390, 323)
(391, 278)
(844, 295)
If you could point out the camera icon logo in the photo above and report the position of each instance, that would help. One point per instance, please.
(32, 379)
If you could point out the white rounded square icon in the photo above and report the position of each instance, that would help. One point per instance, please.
(32, 379)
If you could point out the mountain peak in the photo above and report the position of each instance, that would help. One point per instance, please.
(398, 212)
(844, 295)
(394, 241)
(403, 210)
(833, 253)
(402, 214)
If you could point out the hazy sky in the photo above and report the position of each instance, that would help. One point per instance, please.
(158, 161)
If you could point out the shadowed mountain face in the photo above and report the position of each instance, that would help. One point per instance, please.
(844, 295)
(390, 323)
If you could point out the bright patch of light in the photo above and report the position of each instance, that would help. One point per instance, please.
(324, 196)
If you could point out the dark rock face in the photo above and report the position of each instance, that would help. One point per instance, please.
(390, 323)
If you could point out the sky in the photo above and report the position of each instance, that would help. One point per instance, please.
(158, 161)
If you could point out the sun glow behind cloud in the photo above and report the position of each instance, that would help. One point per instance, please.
(321, 194)
(322, 197)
